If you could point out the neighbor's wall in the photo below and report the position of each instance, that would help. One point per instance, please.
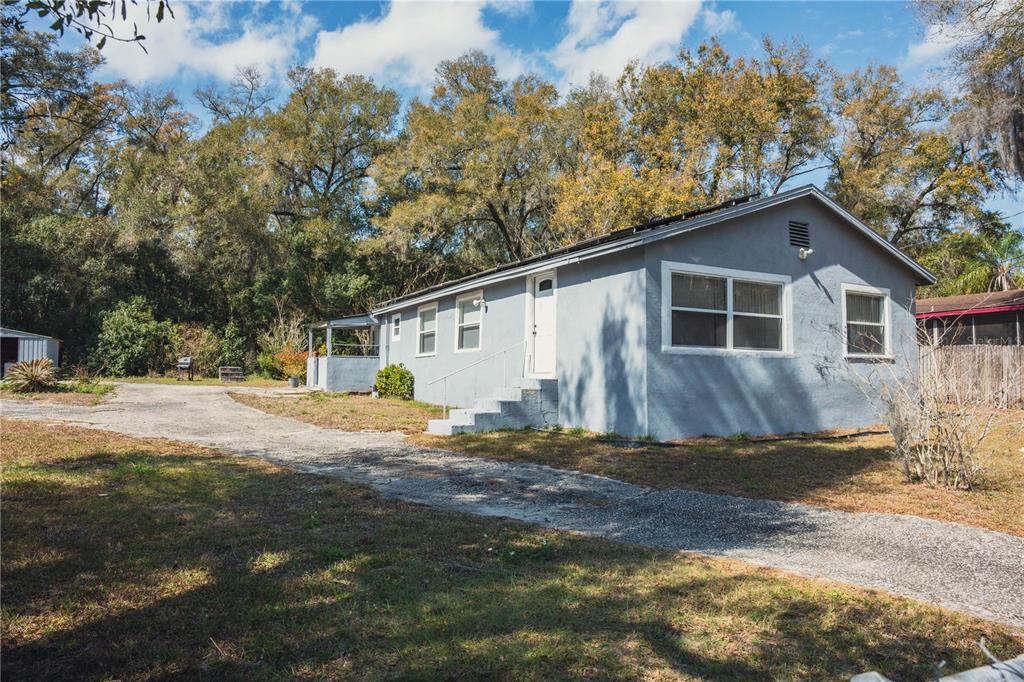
(813, 388)
(503, 320)
(601, 344)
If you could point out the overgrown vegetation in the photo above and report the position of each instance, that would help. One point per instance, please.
(395, 381)
(121, 213)
(200, 565)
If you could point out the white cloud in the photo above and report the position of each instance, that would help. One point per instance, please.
(719, 23)
(604, 36)
(404, 46)
(205, 39)
(938, 40)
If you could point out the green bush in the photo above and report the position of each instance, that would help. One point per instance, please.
(32, 375)
(395, 381)
(131, 341)
(232, 347)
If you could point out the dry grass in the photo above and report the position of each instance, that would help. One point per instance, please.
(347, 411)
(144, 559)
(99, 394)
(853, 474)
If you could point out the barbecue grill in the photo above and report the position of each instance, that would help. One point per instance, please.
(185, 365)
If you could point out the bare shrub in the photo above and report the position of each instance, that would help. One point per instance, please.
(941, 414)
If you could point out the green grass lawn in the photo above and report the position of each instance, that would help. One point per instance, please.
(144, 559)
(346, 411)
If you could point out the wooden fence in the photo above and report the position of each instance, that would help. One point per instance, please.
(995, 374)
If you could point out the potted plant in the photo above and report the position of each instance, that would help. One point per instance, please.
(292, 363)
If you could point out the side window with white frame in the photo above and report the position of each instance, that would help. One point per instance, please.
(468, 321)
(865, 321)
(426, 336)
(396, 326)
(719, 309)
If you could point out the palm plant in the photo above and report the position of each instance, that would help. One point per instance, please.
(996, 266)
(31, 375)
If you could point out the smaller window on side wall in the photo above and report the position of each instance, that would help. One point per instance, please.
(396, 326)
(866, 322)
(426, 330)
(469, 313)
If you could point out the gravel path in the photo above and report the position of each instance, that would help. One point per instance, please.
(968, 569)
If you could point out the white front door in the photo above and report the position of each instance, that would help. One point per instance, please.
(544, 314)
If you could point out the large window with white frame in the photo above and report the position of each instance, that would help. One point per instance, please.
(708, 309)
(396, 326)
(865, 321)
(426, 330)
(468, 321)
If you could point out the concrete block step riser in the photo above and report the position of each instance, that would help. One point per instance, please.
(530, 402)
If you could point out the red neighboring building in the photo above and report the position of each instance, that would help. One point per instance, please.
(973, 319)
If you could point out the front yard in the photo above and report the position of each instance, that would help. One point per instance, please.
(851, 474)
(128, 558)
(347, 411)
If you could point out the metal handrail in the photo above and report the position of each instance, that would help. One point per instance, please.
(504, 373)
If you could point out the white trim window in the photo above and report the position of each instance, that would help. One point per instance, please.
(396, 326)
(866, 322)
(426, 330)
(469, 316)
(715, 310)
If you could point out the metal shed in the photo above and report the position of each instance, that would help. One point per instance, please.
(18, 346)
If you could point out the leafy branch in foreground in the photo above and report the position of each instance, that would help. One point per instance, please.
(90, 18)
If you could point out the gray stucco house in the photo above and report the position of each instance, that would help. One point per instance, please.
(747, 317)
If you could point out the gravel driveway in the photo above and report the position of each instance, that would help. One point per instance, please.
(968, 569)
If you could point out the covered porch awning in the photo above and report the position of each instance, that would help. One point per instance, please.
(349, 323)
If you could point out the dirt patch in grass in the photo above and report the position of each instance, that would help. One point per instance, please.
(347, 411)
(851, 474)
(142, 559)
(65, 396)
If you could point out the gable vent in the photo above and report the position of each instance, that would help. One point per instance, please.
(799, 234)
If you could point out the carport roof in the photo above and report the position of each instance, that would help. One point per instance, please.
(6, 331)
(350, 322)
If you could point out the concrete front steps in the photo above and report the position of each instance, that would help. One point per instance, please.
(529, 402)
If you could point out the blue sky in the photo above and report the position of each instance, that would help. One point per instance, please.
(400, 43)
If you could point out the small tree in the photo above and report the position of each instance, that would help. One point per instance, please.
(132, 341)
(291, 362)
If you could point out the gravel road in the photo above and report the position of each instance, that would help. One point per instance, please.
(968, 569)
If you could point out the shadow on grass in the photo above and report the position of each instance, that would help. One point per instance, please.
(130, 563)
(779, 470)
